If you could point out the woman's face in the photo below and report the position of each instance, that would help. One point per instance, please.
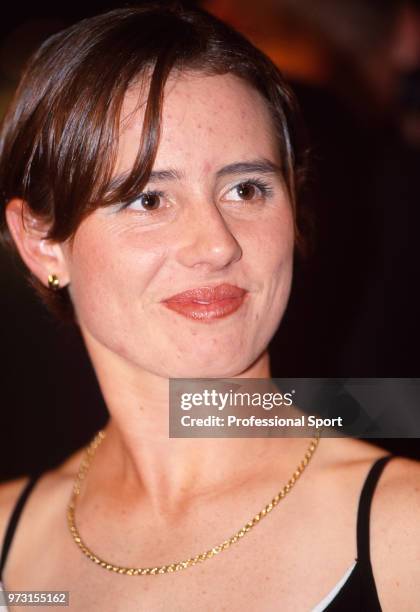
(216, 212)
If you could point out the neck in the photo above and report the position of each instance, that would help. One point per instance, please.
(139, 459)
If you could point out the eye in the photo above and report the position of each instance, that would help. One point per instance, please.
(145, 202)
(249, 190)
(246, 191)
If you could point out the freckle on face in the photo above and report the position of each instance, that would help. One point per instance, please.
(135, 268)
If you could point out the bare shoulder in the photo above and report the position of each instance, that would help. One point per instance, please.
(397, 493)
(397, 502)
(394, 516)
(50, 488)
(395, 535)
(9, 494)
(401, 481)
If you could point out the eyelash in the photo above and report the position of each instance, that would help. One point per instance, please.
(264, 187)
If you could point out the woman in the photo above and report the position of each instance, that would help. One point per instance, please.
(149, 168)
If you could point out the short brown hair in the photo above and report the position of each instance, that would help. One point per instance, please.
(60, 135)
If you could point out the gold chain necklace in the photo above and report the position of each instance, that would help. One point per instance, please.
(173, 567)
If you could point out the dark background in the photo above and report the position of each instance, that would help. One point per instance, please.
(353, 309)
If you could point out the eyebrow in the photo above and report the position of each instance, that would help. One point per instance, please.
(260, 166)
(165, 175)
(257, 166)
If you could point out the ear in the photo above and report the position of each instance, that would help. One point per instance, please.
(43, 257)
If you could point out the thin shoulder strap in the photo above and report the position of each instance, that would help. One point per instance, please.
(14, 519)
(365, 502)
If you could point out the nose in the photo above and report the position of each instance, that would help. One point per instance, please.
(207, 241)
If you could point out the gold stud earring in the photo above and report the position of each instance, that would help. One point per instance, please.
(53, 282)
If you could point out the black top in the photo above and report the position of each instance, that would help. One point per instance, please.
(14, 519)
(358, 593)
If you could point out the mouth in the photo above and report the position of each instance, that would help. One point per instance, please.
(207, 303)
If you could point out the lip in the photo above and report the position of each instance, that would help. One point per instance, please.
(207, 303)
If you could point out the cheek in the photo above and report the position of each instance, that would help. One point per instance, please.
(277, 249)
(269, 247)
(272, 262)
(110, 269)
